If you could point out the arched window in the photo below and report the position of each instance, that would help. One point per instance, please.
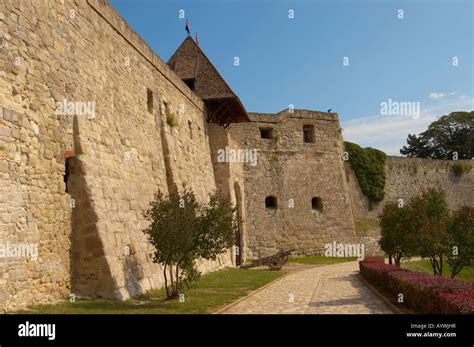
(317, 204)
(271, 202)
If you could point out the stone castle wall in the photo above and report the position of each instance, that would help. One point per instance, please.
(84, 52)
(230, 179)
(294, 172)
(408, 177)
(89, 239)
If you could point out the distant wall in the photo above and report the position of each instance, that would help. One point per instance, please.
(408, 177)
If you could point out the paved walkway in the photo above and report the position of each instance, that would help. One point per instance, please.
(324, 289)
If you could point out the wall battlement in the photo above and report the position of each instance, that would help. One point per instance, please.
(135, 42)
(295, 113)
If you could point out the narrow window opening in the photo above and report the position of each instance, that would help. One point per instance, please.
(271, 202)
(149, 100)
(266, 133)
(190, 125)
(191, 83)
(317, 204)
(308, 133)
(66, 172)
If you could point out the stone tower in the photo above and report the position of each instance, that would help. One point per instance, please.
(296, 195)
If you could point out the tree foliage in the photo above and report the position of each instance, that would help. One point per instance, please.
(425, 227)
(369, 167)
(431, 215)
(183, 230)
(397, 238)
(453, 133)
(461, 236)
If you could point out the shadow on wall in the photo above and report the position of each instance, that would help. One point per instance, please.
(90, 273)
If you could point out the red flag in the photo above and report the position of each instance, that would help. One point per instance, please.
(187, 26)
(197, 40)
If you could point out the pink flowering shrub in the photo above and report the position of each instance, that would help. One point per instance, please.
(421, 292)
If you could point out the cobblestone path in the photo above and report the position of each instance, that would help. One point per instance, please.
(324, 289)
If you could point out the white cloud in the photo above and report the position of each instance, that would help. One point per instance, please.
(435, 95)
(389, 133)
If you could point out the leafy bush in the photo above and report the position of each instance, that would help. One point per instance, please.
(182, 230)
(425, 227)
(374, 259)
(369, 167)
(377, 273)
(397, 238)
(461, 236)
(460, 169)
(429, 219)
(422, 292)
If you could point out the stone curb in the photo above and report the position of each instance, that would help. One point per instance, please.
(222, 309)
(382, 297)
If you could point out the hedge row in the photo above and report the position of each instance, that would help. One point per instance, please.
(421, 292)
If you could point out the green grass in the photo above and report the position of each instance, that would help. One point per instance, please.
(364, 224)
(467, 273)
(211, 292)
(318, 260)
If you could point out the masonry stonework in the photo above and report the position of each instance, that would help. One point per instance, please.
(408, 177)
(93, 123)
(83, 51)
(294, 172)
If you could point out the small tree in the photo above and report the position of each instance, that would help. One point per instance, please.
(182, 230)
(430, 216)
(461, 232)
(396, 237)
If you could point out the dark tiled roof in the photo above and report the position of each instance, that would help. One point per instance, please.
(190, 62)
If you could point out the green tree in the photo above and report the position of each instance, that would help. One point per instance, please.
(451, 133)
(461, 231)
(183, 230)
(396, 234)
(429, 217)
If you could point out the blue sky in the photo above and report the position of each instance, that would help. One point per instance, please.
(299, 61)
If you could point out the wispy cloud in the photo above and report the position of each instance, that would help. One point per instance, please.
(389, 133)
(435, 95)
